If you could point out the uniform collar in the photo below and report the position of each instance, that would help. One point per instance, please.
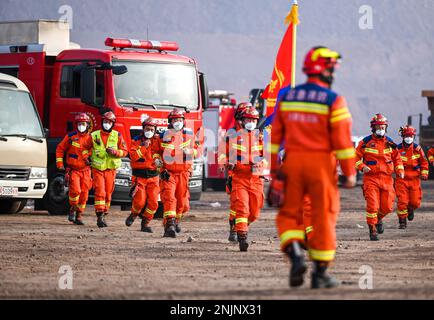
(318, 82)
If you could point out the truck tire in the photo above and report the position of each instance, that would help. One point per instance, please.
(126, 207)
(56, 197)
(11, 206)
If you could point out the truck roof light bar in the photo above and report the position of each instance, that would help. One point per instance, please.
(141, 44)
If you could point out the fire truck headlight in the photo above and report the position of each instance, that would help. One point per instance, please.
(38, 173)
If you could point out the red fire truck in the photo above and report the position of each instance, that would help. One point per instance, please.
(217, 119)
(133, 78)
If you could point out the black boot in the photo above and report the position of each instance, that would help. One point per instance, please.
(320, 279)
(130, 219)
(178, 227)
(242, 240)
(402, 223)
(373, 235)
(145, 226)
(232, 232)
(100, 222)
(298, 266)
(410, 214)
(169, 229)
(78, 219)
(71, 215)
(380, 226)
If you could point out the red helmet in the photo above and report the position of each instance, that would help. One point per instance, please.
(82, 117)
(250, 113)
(176, 113)
(407, 131)
(241, 108)
(319, 59)
(110, 116)
(379, 119)
(149, 122)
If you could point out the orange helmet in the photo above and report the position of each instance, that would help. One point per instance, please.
(82, 117)
(407, 131)
(176, 113)
(379, 119)
(250, 113)
(319, 59)
(149, 122)
(241, 108)
(110, 116)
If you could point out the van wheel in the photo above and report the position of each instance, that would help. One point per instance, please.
(56, 197)
(11, 206)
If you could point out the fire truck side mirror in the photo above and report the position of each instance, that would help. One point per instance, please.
(88, 86)
(204, 92)
(118, 70)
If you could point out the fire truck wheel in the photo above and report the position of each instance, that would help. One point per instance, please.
(10, 206)
(56, 197)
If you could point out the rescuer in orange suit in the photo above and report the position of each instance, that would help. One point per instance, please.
(108, 149)
(314, 125)
(245, 158)
(78, 147)
(378, 157)
(145, 162)
(408, 190)
(179, 148)
(231, 134)
(431, 155)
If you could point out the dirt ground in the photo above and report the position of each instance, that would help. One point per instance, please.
(123, 263)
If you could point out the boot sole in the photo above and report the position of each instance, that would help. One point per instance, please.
(244, 246)
(296, 278)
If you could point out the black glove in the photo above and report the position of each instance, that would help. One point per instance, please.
(229, 185)
(165, 175)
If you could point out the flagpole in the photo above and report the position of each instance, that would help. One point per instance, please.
(294, 49)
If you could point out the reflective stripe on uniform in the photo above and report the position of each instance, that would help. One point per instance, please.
(358, 163)
(431, 158)
(135, 210)
(139, 153)
(151, 212)
(309, 229)
(74, 198)
(425, 171)
(340, 114)
(232, 212)
(257, 148)
(416, 156)
(402, 212)
(169, 214)
(274, 148)
(185, 144)
(400, 167)
(404, 158)
(308, 107)
(168, 146)
(291, 235)
(59, 159)
(369, 150)
(75, 144)
(322, 255)
(241, 220)
(371, 215)
(100, 203)
(388, 150)
(238, 147)
(81, 206)
(344, 154)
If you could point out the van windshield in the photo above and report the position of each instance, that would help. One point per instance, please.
(18, 114)
(157, 84)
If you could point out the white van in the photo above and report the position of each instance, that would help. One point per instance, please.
(23, 147)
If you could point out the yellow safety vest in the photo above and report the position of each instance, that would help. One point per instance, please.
(101, 160)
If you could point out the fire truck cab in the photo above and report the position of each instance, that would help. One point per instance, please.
(135, 79)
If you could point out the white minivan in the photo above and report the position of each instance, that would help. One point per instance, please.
(23, 147)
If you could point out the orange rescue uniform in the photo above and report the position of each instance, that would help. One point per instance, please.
(314, 124)
(245, 149)
(408, 190)
(178, 148)
(78, 148)
(143, 153)
(382, 157)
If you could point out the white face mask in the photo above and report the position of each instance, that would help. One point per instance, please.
(250, 126)
(149, 134)
(81, 128)
(178, 125)
(408, 140)
(107, 126)
(380, 133)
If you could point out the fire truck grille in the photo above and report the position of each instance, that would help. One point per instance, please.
(14, 174)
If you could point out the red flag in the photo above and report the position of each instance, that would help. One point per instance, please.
(284, 67)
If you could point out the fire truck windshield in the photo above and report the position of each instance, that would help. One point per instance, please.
(18, 115)
(147, 85)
